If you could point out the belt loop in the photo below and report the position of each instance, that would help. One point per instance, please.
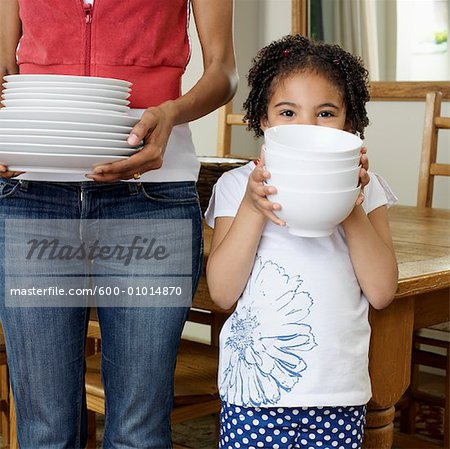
(23, 185)
(134, 187)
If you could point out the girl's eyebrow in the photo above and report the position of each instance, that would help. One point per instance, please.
(285, 103)
(291, 103)
(328, 105)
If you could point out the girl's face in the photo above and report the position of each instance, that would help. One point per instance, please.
(306, 98)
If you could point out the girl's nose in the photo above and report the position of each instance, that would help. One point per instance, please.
(309, 120)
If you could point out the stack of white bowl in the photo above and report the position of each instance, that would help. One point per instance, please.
(64, 124)
(315, 170)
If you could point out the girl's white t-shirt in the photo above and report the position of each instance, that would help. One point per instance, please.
(300, 333)
(180, 160)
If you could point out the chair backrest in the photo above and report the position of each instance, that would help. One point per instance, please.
(227, 119)
(429, 168)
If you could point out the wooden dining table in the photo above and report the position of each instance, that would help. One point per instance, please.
(422, 244)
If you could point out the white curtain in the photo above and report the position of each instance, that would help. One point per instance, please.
(355, 29)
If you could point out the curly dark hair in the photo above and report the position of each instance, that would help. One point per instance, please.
(296, 53)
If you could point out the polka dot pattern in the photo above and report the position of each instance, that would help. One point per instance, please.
(293, 428)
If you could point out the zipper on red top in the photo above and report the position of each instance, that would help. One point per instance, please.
(88, 12)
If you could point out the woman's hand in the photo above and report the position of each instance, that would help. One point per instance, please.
(256, 193)
(6, 174)
(154, 129)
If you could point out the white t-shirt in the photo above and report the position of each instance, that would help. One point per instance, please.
(300, 333)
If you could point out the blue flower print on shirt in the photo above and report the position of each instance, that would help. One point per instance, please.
(267, 338)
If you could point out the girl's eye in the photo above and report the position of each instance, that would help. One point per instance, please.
(287, 113)
(325, 114)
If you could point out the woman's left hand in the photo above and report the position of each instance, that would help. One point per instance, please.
(154, 129)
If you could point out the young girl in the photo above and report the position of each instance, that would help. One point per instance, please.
(294, 354)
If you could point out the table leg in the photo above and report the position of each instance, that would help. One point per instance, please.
(13, 444)
(389, 366)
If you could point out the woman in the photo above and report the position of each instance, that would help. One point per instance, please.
(145, 42)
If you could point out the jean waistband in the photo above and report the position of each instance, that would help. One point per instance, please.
(132, 187)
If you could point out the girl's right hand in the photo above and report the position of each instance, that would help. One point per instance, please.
(364, 177)
(257, 191)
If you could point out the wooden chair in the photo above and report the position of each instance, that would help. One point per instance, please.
(429, 167)
(434, 337)
(227, 119)
(195, 384)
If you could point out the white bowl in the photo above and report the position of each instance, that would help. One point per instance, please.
(283, 162)
(314, 214)
(319, 182)
(310, 154)
(311, 141)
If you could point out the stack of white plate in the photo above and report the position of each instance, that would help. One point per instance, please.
(64, 124)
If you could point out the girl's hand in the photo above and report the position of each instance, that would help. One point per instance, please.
(257, 191)
(154, 129)
(364, 177)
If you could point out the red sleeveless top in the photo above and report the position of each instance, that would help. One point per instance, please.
(145, 42)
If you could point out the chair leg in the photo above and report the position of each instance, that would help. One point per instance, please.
(217, 427)
(13, 443)
(447, 403)
(408, 413)
(92, 430)
(4, 395)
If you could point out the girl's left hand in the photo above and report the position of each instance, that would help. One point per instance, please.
(154, 129)
(364, 177)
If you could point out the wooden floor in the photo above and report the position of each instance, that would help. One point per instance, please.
(200, 434)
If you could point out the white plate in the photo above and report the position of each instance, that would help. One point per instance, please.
(221, 160)
(60, 133)
(62, 85)
(54, 163)
(62, 141)
(66, 104)
(52, 89)
(64, 149)
(73, 115)
(63, 126)
(67, 78)
(65, 97)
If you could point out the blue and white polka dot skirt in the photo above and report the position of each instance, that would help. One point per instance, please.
(291, 428)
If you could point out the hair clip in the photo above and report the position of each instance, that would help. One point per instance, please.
(286, 52)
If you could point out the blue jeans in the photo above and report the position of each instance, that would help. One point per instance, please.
(45, 344)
